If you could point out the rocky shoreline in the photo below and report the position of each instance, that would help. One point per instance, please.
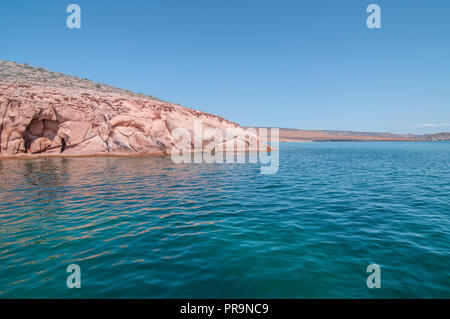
(48, 113)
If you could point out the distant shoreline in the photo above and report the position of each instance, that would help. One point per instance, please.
(299, 135)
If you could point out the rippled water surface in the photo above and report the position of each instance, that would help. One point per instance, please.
(147, 228)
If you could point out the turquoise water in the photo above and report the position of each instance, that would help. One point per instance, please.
(147, 228)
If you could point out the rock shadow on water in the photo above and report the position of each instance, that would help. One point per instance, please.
(47, 177)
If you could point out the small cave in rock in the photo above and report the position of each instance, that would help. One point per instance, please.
(38, 129)
(63, 145)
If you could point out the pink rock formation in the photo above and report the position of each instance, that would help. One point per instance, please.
(42, 112)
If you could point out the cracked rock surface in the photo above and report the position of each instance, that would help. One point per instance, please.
(43, 112)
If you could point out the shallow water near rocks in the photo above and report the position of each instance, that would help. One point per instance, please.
(145, 227)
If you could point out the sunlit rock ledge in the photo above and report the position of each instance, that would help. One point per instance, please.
(44, 113)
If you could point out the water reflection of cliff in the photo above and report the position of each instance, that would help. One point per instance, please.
(120, 184)
(55, 200)
(97, 210)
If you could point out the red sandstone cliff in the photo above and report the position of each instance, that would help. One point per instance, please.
(43, 112)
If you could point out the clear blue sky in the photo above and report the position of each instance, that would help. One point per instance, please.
(300, 64)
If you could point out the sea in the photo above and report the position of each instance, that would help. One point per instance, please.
(145, 227)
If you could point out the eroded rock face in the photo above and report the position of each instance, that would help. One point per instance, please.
(41, 119)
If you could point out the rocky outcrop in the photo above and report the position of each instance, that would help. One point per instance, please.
(39, 116)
